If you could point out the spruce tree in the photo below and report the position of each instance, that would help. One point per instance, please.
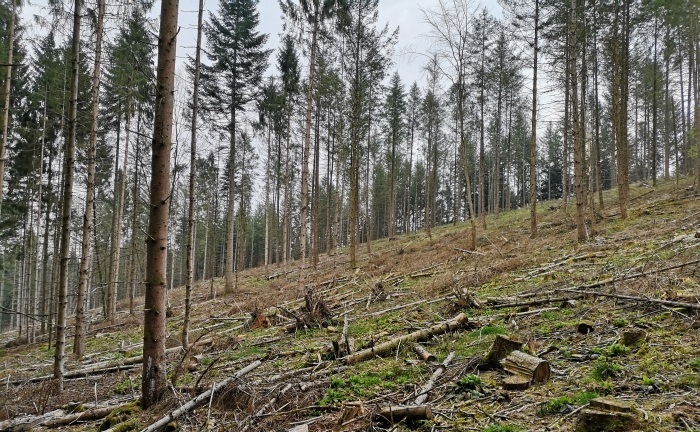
(238, 61)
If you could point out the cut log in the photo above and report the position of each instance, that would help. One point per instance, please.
(534, 368)
(201, 399)
(424, 353)
(395, 414)
(455, 323)
(502, 346)
(423, 393)
(516, 382)
(301, 428)
(633, 337)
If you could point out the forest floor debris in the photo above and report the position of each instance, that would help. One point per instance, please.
(635, 286)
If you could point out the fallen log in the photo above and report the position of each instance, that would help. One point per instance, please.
(395, 414)
(89, 415)
(581, 288)
(535, 302)
(423, 393)
(457, 322)
(424, 353)
(534, 368)
(199, 400)
(102, 367)
(671, 303)
(28, 423)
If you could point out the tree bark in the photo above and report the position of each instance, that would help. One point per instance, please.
(68, 167)
(533, 137)
(6, 107)
(307, 145)
(579, 145)
(79, 338)
(193, 161)
(154, 382)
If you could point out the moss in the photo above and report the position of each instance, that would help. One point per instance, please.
(121, 419)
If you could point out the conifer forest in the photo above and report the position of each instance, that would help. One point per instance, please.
(191, 189)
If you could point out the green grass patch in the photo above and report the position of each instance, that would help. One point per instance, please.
(365, 383)
(604, 368)
(695, 364)
(487, 331)
(620, 322)
(565, 404)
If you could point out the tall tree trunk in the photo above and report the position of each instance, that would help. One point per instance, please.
(6, 105)
(230, 212)
(193, 161)
(118, 215)
(307, 145)
(68, 167)
(6, 120)
(579, 145)
(79, 337)
(153, 382)
(654, 125)
(131, 284)
(533, 136)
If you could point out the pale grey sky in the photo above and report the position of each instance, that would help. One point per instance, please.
(405, 14)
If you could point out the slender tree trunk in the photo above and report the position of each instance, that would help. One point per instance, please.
(154, 383)
(567, 106)
(6, 105)
(307, 145)
(193, 161)
(6, 120)
(68, 167)
(79, 338)
(230, 213)
(533, 136)
(579, 145)
(117, 217)
(654, 125)
(131, 284)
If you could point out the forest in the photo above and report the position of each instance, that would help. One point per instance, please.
(129, 169)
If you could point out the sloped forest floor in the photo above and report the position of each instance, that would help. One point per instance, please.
(560, 298)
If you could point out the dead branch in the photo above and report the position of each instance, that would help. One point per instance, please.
(423, 394)
(671, 303)
(457, 322)
(199, 400)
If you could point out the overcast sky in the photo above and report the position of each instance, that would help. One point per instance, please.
(405, 14)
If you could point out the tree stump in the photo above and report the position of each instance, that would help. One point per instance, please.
(501, 348)
(534, 368)
(516, 382)
(633, 337)
(591, 420)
